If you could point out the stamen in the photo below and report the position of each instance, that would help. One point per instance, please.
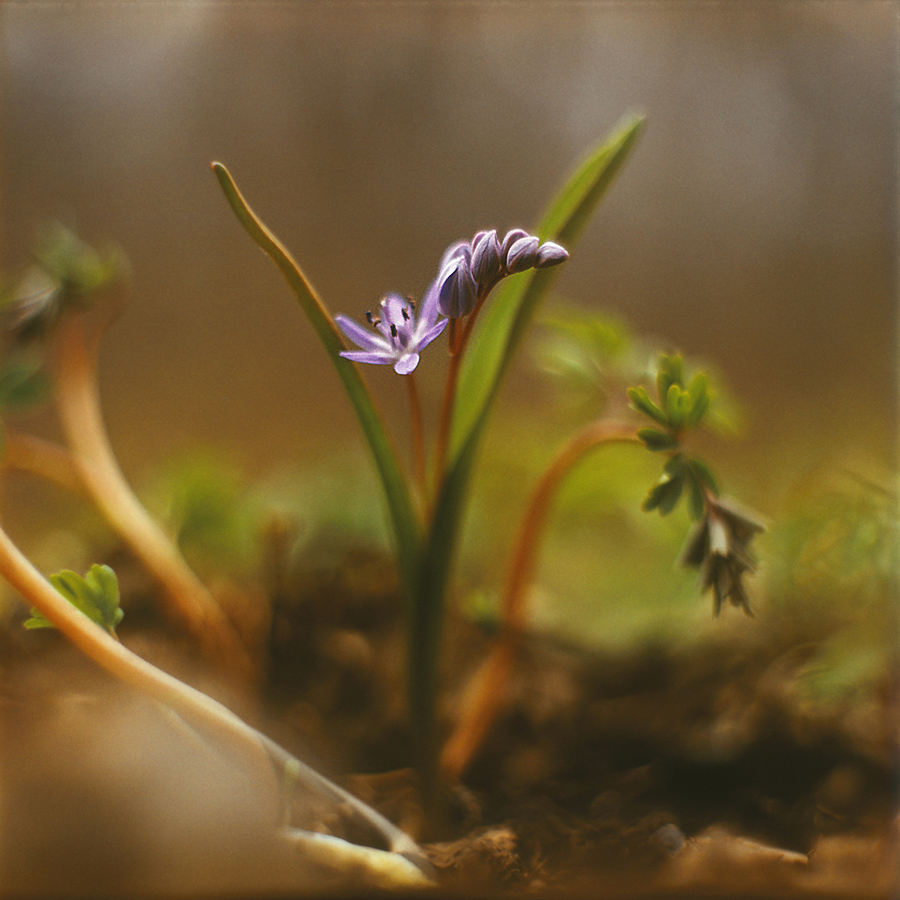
(372, 320)
(393, 330)
(405, 313)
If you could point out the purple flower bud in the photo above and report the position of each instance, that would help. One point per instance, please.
(508, 241)
(550, 254)
(485, 265)
(457, 290)
(460, 248)
(522, 255)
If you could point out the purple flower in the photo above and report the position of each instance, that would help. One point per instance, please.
(511, 237)
(459, 249)
(399, 333)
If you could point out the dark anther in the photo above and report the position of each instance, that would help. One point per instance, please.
(393, 330)
(405, 313)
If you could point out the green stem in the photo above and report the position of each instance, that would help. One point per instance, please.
(487, 692)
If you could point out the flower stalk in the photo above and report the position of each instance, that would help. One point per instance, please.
(418, 437)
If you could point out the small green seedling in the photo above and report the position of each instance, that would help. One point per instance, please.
(96, 595)
(719, 543)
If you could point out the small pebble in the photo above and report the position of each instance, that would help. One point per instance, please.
(668, 838)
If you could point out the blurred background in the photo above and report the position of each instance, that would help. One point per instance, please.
(754, 228)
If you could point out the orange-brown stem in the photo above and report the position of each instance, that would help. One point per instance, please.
(459, 339)
(447, 403)
(487, 690)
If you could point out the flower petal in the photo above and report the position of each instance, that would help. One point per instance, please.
(406, 363)
(360, 336)
(460, 248)
(428, 311)
(486, 263)
(427, 336)
(457, 290)
(522, 254)
(363, 356)
(392, 306)
(511, 237)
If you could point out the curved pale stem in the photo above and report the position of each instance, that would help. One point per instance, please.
(486, 693)
(260, 757)
(108, 652)
(43, 458)
(187, 599)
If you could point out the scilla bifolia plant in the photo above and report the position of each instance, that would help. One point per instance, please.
(50, 302)
(426, 534)
(520, 266)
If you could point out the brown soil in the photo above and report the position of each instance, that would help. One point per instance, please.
(663, 769)
(664, 772)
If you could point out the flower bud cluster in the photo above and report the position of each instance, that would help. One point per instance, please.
(469, 269)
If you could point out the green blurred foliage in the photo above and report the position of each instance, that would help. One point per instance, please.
(67, 274)
(832, 579)
(220, 521)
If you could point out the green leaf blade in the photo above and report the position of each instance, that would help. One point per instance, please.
(656, 441)
(505, 320)
(640, 401)
(406, 527)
